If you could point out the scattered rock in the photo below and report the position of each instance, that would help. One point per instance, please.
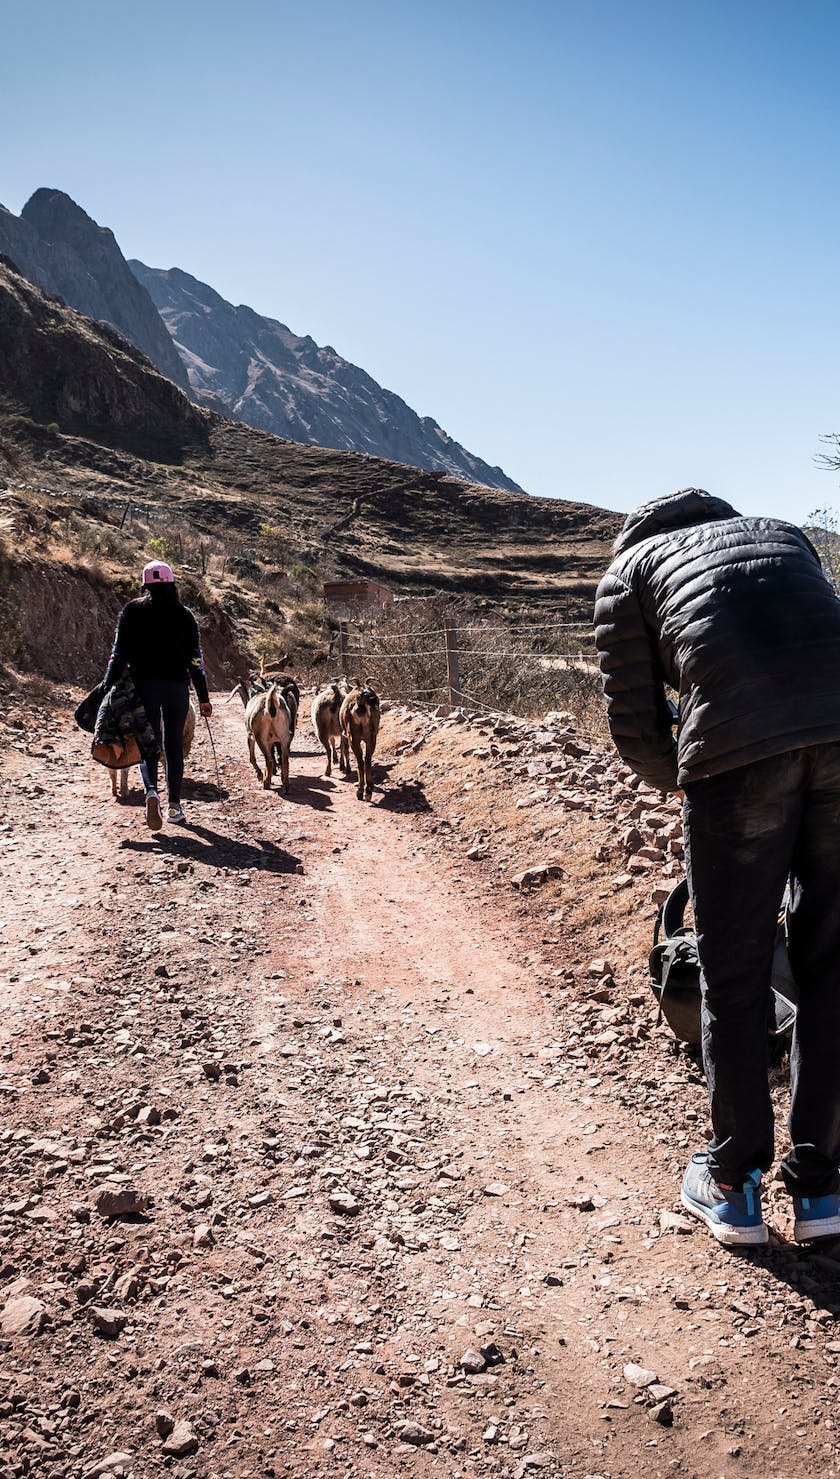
(108, 1323)
(639, 1376)
(344, 1203)
(674, 1222)
(662, 1413)
(536, 875)
(414, 1432)
(182, 1440)
(114, 1463)
(121, 1201)
(472, 1361)
(23, 1315)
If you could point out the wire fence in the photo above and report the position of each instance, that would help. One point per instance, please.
(451, 655)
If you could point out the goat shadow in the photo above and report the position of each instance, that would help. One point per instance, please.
(214, 850)
(307, 790)
(408, 796)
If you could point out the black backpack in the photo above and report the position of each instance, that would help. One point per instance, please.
(675, 974)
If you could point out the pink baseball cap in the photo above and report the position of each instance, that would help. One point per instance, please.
(157, 573)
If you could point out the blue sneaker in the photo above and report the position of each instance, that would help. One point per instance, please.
(816, 1217)
(732, 1214)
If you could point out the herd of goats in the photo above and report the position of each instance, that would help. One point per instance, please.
(345, 717)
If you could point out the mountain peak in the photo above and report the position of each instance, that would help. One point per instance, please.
(60, 248)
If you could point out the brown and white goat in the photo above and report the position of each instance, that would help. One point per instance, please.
(119, 778)
(270, 724)
(326, 706)
(273, 673)
(359, 719)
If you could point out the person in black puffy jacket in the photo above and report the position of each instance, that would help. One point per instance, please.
(736, 616)
(157, 640)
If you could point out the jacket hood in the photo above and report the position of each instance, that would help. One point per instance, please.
(675, 511)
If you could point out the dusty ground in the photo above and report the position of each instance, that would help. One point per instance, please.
(406, 1157)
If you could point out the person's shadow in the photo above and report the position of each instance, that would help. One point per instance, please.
(194, 790)
(814, 1271)
(214, 850)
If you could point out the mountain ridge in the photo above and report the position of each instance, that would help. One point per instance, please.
(278, 381)
(229, 358)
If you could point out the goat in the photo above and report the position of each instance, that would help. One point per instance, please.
(269, 722)
(272, 672)
(325, 721)
(119, 778)
(359, 719)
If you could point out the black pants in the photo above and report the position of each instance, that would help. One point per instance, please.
(166, 701)
(746, 830)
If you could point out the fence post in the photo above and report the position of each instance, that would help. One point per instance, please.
(453, 665)
(342, 646)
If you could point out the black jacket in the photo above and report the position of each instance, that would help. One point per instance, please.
(157, 637)
(733, 613)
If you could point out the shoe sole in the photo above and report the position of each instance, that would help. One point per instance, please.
(154, 815)
(733, 1237)
(818, 1227)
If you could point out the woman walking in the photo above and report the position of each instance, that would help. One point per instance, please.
(157, 640)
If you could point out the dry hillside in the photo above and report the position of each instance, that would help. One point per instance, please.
(114, 464)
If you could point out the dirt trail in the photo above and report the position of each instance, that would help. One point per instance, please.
(401, 1218)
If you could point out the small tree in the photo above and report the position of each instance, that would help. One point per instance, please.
(823, 529)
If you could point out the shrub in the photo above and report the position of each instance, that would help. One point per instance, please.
(162, 547)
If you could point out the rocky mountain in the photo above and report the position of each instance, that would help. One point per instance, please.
(82, 410)
(57, 246)
(60, 368)
(277, 381)
(229, 358)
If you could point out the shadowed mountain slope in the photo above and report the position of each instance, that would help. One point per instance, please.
(57, 366)
(59, 248)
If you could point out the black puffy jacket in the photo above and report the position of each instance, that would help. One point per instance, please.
(157, 637)
(733, 613)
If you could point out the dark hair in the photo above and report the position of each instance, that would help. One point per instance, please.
(163, 593)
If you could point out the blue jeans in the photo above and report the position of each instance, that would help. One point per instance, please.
(166, 701)
(746, 831)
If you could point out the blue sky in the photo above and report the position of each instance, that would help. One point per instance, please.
(596, 241)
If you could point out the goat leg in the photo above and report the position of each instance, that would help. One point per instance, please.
(268, 756)
(251, 752)
(360, 766)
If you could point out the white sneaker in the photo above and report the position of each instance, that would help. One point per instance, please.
(154, 815)
(176, 814)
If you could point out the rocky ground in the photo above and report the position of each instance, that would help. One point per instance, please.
(334, 1145)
